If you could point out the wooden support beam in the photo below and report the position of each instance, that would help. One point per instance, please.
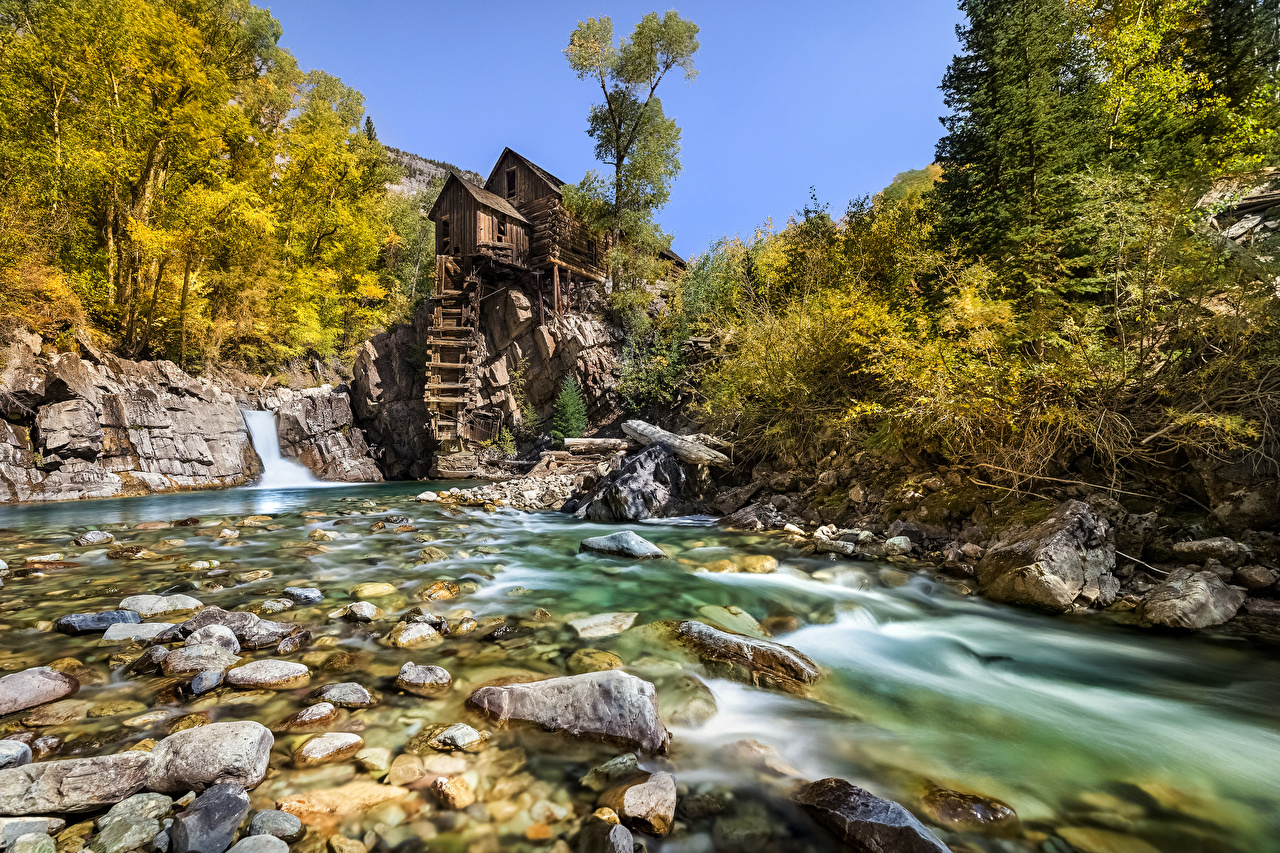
(555, 282)
(685, 449)
(599, 445)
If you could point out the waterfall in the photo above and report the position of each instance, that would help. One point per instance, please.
(277, 472)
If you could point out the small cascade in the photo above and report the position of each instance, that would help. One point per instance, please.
(277, 472)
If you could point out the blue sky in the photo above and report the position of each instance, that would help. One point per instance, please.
(840, 96)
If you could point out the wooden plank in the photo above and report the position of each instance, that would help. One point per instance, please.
(599, 445)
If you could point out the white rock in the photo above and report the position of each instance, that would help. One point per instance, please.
(428, 497)
(897, 546)
(603, 624)
(158, 605)
(123, 632)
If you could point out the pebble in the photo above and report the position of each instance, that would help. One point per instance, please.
(13, 828)
(207, 680)
(14, 754)
(647, 804)
(423, 680)
(33, 843)
(327, 748)
(410, 635)
(211, 821)
(428, 497)
(445, 738)
(269, 675)
(454, 792)
(312, 717)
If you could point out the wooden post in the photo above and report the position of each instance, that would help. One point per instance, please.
(555, 287)
(542, 314)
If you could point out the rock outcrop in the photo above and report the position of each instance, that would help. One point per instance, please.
(650, 484)
(1192, 600)
(317, 427)
(107, 426)
(387, 390)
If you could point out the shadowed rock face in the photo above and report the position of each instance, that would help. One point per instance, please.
(865, 822)
(1066, 557)
(650, 484)
(611, 706)
(1191, 600)
(767, 663)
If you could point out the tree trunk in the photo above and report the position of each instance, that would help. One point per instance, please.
(684, 449)
(182, 312)
(151, 312)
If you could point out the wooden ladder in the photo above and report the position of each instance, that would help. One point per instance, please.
(453, 384)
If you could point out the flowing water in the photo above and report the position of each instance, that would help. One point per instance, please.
(277, 472)
(1166, 743)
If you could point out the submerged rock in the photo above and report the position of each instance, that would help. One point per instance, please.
(864, 821)
(611, 706)
(122, 632)
(269, 675)
(1050, 565)
(766, 663)
(1191, 600)
(190, 660)
(32, 687)
(423, 680)
(159, 605)
(347, 694)
(968, 812)
(603, 624)
(327, 748)
(647, 804)
(625, 543)
(72, 785)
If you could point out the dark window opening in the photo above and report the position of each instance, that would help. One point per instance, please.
(511, 183)
(502, 230)
(444, 235)
(592, 251)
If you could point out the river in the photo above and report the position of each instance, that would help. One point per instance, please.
(1166, 743)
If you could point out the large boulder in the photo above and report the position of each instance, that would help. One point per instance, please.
(865, 822)
(73, 785)
(650, 484)
(1067, 557)
(1190, 599)
(611, 706)
(625, 543)
(194, 759)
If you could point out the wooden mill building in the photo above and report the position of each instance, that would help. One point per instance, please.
(512, 232)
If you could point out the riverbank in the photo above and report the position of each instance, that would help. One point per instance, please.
(919, 682)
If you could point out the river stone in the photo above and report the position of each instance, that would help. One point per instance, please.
(94, 623)
(602, 833)
(13, 828)
(189, 660)
(159, 605)
(646, 804)
(967, 812)
(446, 738)
(191, 760)
(1221, 548)
(123, 632)
(897, 546)
(312, 717)
(427, 497)
(269, 675)
(205, 681)
(603, 625)
(32, 687)
(260, 844)
(1191, 600)
(209, 824)
(14, 753)
(412, 635)
(625, 543)
(139, 807)
(215, 635)
(864, 821)
(767, 663)
(374, 590)
(347, 694)
(34, 842)
(131, 552)
(327, 748)
(72, 785)
(304, 595)
(362, 611)
(94, 537)
(423, 680)
(1054, 562)
(124, 835)
(277, 824)
(252, 631)
(60, 713)
(1088, 839)
(612, 706)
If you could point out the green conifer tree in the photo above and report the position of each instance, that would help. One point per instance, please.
(569, 419)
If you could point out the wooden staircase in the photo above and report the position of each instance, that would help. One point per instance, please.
(453, 342)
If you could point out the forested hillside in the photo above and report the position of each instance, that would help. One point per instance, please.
(171, 180)
(1056, 300)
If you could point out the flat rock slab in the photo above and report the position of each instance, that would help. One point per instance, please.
(622, 544)
(124, 632)
(192, 760)
(72, 785)
(863, 821)
(611, 706)
(269, 675)
(768, 663)
(159, 605)
(94, 623)
(603, 624)
(36, 686)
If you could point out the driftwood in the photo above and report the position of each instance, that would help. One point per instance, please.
(685, 449)
(598, 445)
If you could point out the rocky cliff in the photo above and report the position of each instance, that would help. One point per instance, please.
(78, 428)
(101, 426)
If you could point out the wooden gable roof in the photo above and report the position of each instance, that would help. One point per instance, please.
(483, 196)
(551, 180)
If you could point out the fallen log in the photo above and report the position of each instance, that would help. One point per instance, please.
(686, 450)
(598, 445)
